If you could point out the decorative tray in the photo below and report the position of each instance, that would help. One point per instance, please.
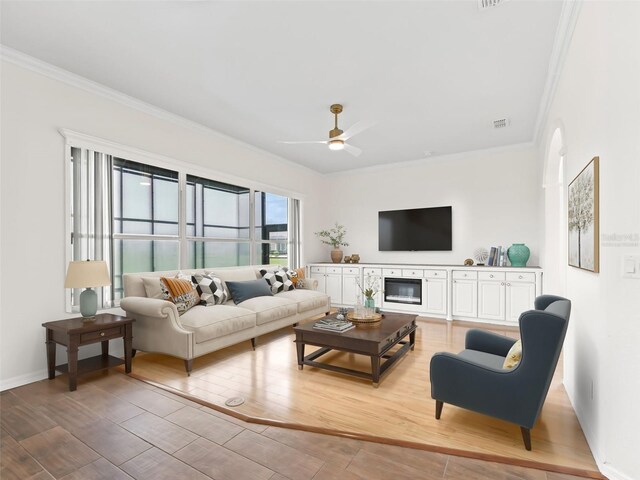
(373, 318)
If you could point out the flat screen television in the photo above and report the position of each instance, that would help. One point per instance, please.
(416, 229)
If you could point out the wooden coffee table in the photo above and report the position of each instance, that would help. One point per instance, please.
(373, 341)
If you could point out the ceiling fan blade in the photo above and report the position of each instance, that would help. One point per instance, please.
(356, 128)
(355, 151)
(297, 143)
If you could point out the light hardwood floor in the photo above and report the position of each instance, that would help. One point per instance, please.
(399, 412)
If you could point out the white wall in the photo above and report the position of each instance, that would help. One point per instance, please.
(32, 193)
(494, 199)
(598, 102)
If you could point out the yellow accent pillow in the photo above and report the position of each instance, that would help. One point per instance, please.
(514, 356)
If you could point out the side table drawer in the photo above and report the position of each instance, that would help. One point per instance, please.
(101, 335)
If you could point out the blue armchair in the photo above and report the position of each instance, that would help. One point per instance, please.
(474, 379)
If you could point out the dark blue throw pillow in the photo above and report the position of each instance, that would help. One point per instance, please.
(241, 291)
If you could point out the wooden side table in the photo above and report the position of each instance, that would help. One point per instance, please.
(76, 332)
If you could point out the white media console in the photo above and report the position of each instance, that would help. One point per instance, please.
(481, 294)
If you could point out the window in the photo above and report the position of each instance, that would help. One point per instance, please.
(218, 223)
(271, 228)
(145, 220)
(141, 218)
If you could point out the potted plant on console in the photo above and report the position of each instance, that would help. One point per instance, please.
(334, 237)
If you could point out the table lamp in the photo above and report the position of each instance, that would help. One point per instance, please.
(87, 274)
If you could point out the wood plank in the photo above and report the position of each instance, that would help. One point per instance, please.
(23, 421)
(59, 452)
(159, 432)
(15, 461)
(221, 463)
(278, 457)
(92, 364)
(101, 469)
(111, 441)
(400, 412)
(154, 464)
(208, 426)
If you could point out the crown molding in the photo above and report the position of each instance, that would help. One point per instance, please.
(28, 62)
(562, 41)
(433, 159)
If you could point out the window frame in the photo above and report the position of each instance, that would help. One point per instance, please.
(82, 141)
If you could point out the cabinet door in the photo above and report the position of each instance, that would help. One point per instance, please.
(320, 277)
(334, 288)
(491, 300)
(350, 290)
(435, 295)
(465, 298)
(520, 298)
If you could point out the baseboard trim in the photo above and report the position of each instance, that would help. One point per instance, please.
(20, 380)
(612, 473)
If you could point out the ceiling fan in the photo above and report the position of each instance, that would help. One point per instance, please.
(338, 138)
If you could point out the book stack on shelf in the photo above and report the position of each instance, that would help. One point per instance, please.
(333, 325)
(497, 257)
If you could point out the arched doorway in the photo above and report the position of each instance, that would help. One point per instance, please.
(555, 217)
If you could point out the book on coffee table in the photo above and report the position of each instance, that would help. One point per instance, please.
(333, 325)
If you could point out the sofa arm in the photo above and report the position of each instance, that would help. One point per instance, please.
(149, 307)
(157, 327)
(488, 342)
(309, 284)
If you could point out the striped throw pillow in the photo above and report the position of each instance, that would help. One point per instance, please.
(180, 292)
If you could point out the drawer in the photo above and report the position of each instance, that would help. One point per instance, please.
(465, 275)
(412, 273)
(391, 272)
(521, 277)
(350, 271)
(106, 334)
(495, 276)
(317, 269)
(377, 272)
(435, 274)
(337, 270)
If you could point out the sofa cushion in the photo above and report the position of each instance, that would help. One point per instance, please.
(513, 356)
(269, 309)
(217, 321)
(483, 358)
(153, 287)
(306, 299)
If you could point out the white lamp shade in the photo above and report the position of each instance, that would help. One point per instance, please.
(87, 274)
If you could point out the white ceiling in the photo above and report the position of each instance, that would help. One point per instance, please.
(432, 74)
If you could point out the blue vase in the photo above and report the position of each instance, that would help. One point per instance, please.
(518, 254)
(369, 302)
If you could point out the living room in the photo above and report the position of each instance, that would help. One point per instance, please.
(571, 68)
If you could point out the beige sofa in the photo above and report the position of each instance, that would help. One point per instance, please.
(204, 329)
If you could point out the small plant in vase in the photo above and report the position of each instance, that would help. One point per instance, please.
(334, 237)
(370, 288)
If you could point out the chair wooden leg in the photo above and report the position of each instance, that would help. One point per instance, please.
(133, 352)
(253, 343)
(439, 406)
(526, 437)
(188, 366)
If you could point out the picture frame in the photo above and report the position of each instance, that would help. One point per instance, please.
(583, 219)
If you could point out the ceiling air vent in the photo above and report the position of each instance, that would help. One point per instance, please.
(501, 123)
(487, 4)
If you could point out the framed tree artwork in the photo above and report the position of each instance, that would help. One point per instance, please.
(584, 218)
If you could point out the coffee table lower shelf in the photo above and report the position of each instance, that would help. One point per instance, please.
(378, 369)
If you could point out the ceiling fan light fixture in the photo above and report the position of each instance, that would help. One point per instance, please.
(336, 144)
